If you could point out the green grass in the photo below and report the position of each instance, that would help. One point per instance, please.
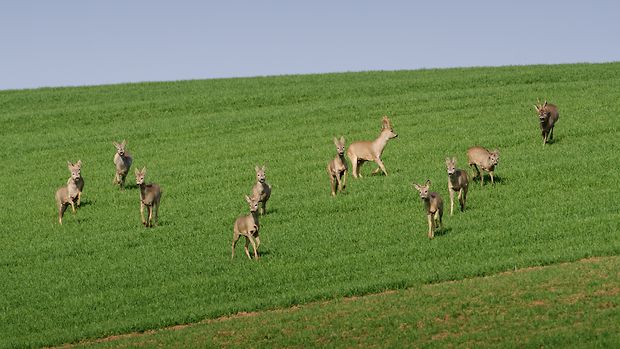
(102, 273)
(571, 305)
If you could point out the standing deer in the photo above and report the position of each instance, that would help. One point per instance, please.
(433, 205)
(482, 159)
(77, 167)
(337, 168)
(360, 152)
(457, 182)
(69, 194)
(548, 115)
(247, 226)
(150, 195)
(122, 161)
(261, 190)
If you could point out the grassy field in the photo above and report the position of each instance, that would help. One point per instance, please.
(102, 273)
(571, 305)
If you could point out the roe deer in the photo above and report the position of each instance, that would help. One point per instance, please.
(261, 190)
(150, 195)
(360, 152)
(433, 205)
(457, 182)
(77, 167)
(482, 159)
(69, 194)
(122, 161)
(247, 226)
(548, 115)
(337, 168)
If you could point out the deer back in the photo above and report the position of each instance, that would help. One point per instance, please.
(150, 193)
(482, 157)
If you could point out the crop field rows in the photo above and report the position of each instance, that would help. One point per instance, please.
(103, 273)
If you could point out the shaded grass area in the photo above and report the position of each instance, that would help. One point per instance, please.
(102, 273)
(574, 305)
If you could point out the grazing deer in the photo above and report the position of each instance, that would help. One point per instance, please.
(433, 205)
(69, 194)
(548, 115)
(122, 161)
(150, 195)
(360, 152)
(261, 189)
(247, 226)
(482, 159)
(457, 182)
(337, 168)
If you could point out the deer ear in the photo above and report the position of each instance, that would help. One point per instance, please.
(136, 171)
(415, 185)
(335, 141)
(342, 139)
(79, 163)
(247, 199)
(115, 144)
(454, 159)
(428, 182)
(545, 104)
(536, 107)
(124, 142)
(256, 168)
(69, 164)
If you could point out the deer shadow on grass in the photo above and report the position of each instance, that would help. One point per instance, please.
(442, 232)
(487, 180)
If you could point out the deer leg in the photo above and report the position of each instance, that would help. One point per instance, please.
(354, 166)
(150, 208)
(247, 243)
(338, 182)
(452, 199)
(344, 179)
(157, 213)
(481, 179)
(234, 242)
(142, 213)
(254, 246)
(430, 225)
(61, 212)
(438, 216)
(264, 207)
(551, 134)
(257, 239)
(381, 167)
(475, 167)
(79, 198)
(331, 186)
(491, 174)
(462, 194)
(72, 205)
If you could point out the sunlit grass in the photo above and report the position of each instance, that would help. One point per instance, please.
(102, 273)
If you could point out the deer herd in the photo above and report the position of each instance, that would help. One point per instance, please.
(479, 159)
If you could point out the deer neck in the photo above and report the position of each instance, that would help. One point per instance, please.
(142, 191)
(427, 204)
(342, 158)
(255, 217)
(379, 144)
(454, 178)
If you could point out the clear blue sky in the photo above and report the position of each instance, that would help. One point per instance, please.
(82, 42)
